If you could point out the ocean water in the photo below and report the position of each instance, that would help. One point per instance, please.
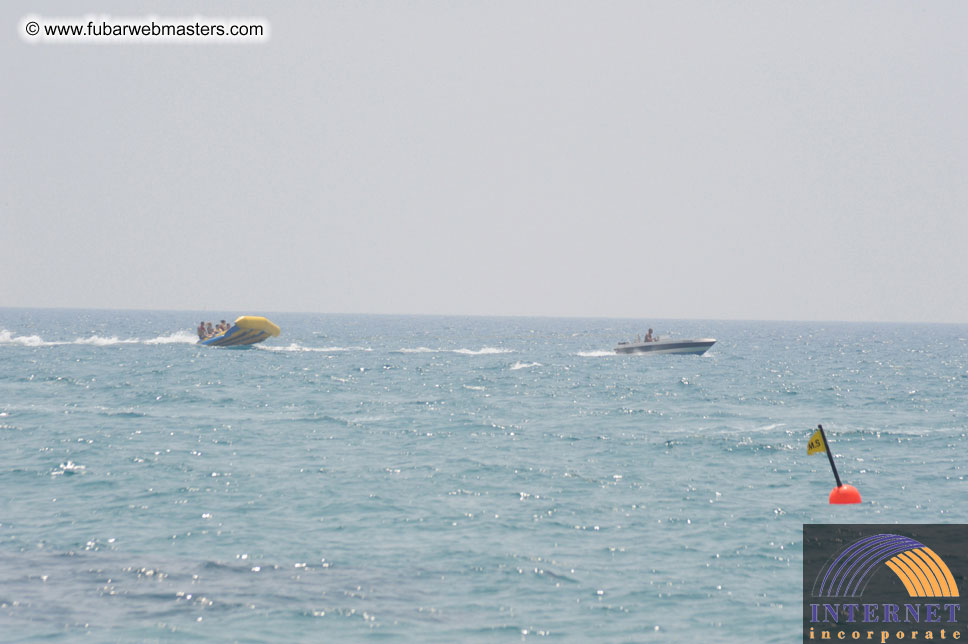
(447, 479)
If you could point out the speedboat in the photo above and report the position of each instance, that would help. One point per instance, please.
(248, 329)
(666, 346)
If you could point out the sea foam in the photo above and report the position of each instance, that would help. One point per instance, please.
(94, 340)
(295, 347)
(463, 351)
(178, 337)
(8, 337)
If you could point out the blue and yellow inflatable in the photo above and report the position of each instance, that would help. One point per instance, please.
(248, 329)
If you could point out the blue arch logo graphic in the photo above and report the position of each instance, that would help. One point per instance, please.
(919, 568)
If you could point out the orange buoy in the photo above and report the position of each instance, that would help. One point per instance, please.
(844, 494)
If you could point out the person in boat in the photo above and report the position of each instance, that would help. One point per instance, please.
(201, 331)
(222, 327)
(209, 331)
(649, 338)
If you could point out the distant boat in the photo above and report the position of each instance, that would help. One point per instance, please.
(248, 329)
(666, 346)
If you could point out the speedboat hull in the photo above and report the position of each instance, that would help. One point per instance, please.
(697, 347)
(248, 329)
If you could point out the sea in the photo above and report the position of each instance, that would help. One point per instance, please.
(451, 479)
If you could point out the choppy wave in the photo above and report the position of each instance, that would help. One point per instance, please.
(178, 337)
(295, 347)
(483, 351)
(524, 365)
(8, 337)
(467, 352)
(292, 348)
(98, 341)
(70, 467)
(595, 354)
(11, 338)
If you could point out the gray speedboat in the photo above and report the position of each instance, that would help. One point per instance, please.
(666, 346)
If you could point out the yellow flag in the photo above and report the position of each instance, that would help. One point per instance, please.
(816, 443)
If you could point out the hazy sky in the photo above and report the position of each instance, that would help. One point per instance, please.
(751, 160)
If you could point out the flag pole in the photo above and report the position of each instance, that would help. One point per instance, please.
(842, 494)
(830, 456)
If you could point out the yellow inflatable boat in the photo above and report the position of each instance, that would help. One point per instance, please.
(248, 329)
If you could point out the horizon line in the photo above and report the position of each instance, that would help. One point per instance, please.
(491, 315)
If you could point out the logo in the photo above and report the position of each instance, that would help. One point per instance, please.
(922, 572)
(883, 583)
